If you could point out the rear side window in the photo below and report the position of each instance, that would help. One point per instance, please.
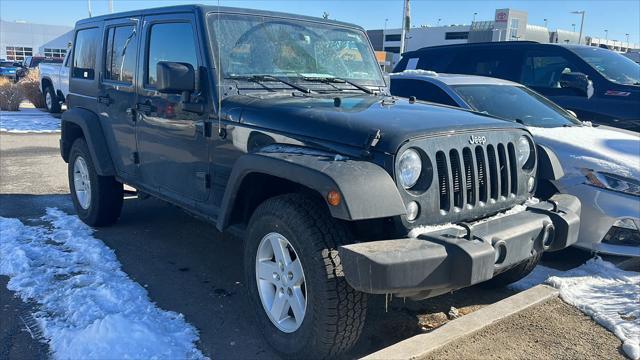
(120, 57)
(85, 51)
(503, 64)
(170, 42)
(422, 90)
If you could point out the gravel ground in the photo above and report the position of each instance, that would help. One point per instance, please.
(553, 330)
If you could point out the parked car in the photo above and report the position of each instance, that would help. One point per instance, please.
(54, 82)
(32, 62)
(292, 141)
(599, 85)
(8, 69)
(601, 166)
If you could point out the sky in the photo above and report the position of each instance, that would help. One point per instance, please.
(619, 17)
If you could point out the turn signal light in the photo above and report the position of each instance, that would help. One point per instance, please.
(334, 198)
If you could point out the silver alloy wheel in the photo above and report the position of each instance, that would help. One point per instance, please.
(281, 282)
(48, 100)
(82, 182)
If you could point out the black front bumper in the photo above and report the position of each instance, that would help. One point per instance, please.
(464, 255)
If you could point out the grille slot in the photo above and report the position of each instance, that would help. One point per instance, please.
(457, 179)
(470, 178)
(443, 180)
(482, 174)
(514, 168)
(494, 181)
(504, 171)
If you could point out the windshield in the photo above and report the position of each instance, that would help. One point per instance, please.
(611, 65)
(515, 103)
(256, 45)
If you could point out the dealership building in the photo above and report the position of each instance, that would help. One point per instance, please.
(507, 25)
(19, 39)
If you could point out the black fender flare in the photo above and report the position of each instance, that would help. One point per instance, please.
(89, 123)
(367, 190)
(549, 166)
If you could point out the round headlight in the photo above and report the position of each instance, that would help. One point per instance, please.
(524, 150)
(409, 166)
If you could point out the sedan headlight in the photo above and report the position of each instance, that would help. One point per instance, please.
(613, 182)
(524, 150)
(410, 167)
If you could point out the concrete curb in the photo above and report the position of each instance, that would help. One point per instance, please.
(421, 345)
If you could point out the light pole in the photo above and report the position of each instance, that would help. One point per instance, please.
(574, 27)
(439, 21)
(89, 7)
(546, 23)
(110, 6)
(384, 33)
(474, 17)
(627, 35)
(580, 12)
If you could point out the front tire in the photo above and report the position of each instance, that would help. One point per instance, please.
(51, 100)
(305, 308)
(97, 199)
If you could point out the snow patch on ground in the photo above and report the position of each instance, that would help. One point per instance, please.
(598, 288)
(88, 308)
(28, 120)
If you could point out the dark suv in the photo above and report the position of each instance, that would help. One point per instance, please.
(281, 127)
(599, 85)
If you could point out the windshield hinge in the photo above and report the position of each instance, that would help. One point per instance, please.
(372, 141)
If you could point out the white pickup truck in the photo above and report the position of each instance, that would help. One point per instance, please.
(54, 83)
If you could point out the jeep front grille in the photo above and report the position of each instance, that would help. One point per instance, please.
(496, 179)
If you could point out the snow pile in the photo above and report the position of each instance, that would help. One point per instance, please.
(28, 120)
(88, 308)
(597, 149)
(609, 295)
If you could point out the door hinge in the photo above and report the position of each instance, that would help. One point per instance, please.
(204, 178)
(135, 157)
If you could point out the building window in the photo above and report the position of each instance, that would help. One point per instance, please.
(393, 49)
(18, 53)
(457, 35)
(54, 53)
(515, 23)
(393, 37)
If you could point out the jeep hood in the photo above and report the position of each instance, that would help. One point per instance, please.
(354, 119)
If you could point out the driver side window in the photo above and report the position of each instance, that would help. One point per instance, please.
(545, 71)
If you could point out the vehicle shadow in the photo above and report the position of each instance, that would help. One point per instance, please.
(189, 267)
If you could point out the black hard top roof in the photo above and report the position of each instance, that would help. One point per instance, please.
(211, 8)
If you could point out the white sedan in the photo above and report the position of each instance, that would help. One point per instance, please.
(601, 165)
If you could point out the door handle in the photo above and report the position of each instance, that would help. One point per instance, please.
(106, 100)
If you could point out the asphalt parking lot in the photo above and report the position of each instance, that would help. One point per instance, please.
(185, 264)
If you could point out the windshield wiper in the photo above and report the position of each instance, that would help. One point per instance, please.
(262, 78)
(335, 80)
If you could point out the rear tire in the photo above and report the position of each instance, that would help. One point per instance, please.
(51, 100)
(334, 313)
(97, 199)
(514, 274)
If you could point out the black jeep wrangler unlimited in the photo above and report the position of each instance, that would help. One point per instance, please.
(281, 126)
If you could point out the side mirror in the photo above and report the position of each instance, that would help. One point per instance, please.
(577, 81)
(175, 78)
